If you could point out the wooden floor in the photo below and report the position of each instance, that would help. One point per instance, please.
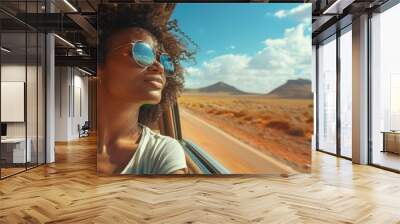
(10, 171)
(69, 191)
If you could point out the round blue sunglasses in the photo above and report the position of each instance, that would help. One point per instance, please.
(145, 55)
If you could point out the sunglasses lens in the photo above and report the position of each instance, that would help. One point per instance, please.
(143, 54)
(166, 61)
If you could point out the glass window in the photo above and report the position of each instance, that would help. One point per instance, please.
(247, 102)
(31, 99)
(22, 94)
(346, 93)
(41, 91)
(385, 87)
(327, 95)
(14, 151)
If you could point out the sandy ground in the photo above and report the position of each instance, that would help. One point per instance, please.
(236, 156)
(279, 128)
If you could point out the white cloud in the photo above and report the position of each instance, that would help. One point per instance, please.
(192, 71)
(231, 47)
(210, 51)
(300, 11)
(280, 14)
(280, 59)
(285, 53)
(228, 63)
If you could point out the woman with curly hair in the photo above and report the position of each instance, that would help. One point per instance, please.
(139, 75)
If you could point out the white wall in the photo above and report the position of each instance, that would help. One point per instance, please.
(80, 109)
(12, 73)
(71, 92)
(9, 73)
(61, 103)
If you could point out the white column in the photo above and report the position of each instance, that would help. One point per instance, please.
(50, 92)
(360, 90)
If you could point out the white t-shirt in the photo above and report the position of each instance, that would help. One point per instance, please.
(156, 154)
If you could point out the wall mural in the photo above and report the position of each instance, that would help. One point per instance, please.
(220, 88)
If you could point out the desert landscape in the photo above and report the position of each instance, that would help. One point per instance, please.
(279, 124)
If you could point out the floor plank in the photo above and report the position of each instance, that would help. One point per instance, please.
(69, 191)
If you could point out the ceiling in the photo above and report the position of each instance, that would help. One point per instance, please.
(76, 22)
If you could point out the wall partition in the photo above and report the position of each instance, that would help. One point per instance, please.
(14, 153)
(22, 93)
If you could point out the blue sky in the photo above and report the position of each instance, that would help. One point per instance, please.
(234, 47)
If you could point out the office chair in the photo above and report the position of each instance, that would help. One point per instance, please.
(84, 130)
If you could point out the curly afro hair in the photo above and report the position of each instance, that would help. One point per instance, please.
(154, 18)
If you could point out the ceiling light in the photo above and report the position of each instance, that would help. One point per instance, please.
(5, 50)
(337, 7)
(65, 41)
(84, 71)
(70, 5)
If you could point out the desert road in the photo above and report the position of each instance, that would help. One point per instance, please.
(236, 156)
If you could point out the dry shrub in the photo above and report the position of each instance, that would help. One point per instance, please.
(298, 132)
(255, 121)
(279, 125)
(248, 118)
(212, 111)
(266, 117)
(229, 114)
(239, 114)
(223, 112)
(218, 112)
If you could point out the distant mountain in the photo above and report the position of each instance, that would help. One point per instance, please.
(298, 88)
(219, 87)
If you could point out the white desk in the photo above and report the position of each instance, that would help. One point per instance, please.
(16, 147)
